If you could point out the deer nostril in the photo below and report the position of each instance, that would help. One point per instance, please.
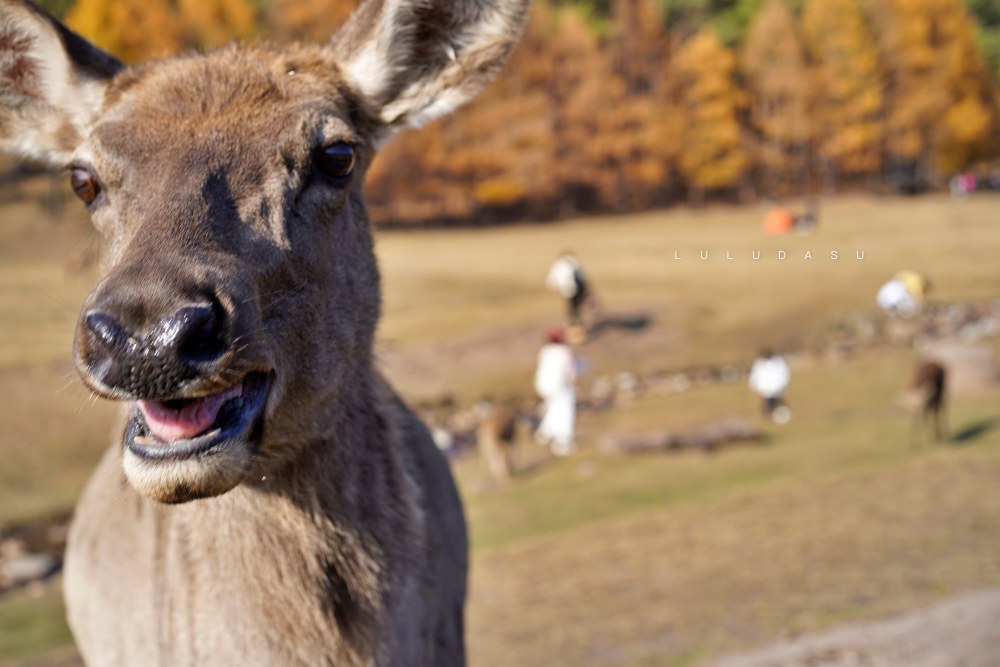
(105, 330)
(198, 333)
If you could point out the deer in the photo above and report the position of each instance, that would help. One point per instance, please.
(925, 399)
(496, 438)
(267, 498)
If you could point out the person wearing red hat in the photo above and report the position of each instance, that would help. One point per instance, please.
(555, 379)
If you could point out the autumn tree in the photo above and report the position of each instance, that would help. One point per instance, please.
(133, 30)
(987, 15)
(57, 8)
(941, 111)
(210, 23)
(639, 44)
(849, 104)
(712, 156)
(493, 154)
(312, 20)
(505, 141)
(772, 61)
(647, 139)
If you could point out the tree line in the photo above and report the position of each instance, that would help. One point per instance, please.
(614, 105)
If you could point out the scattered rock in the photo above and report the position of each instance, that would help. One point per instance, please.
(28, 568)
(12, 548)
(708, 437)
(972, 368)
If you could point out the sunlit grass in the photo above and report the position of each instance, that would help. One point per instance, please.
(33, 624)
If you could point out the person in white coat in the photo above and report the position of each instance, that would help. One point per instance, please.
(566, 278)
(555, 378)
(769, 378)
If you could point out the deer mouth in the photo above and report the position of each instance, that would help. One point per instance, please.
(186, 427)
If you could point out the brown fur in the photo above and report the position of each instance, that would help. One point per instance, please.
(332, 533)
(495, 439)
(925, 399)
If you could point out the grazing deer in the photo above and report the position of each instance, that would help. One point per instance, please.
(268, 500)
(925, 399)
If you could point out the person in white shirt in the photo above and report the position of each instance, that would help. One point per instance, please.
(566, 277)
(903, 295)
(895, 299)
(555, 378)
(769, 378)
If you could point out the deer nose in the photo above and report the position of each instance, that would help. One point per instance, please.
(194, 334)
(155, 363)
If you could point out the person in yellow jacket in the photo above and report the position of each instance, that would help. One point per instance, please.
(916, 284)
(904, 294)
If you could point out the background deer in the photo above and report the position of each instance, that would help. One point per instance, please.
(925, 399)
(496, 437)
(267, 500)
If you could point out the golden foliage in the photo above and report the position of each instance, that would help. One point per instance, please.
(311, 19)
(133, 30)
(712, 154)
(772, 61)
(848, 125)
(210, 23)
(627, 115)
(941, 109)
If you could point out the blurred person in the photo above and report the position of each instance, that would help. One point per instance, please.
(566, 277)
(769, 378)
(962, 185)
(805, 223)
(555, 378)
(904, 294)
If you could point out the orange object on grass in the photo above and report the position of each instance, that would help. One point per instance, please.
(779, 221)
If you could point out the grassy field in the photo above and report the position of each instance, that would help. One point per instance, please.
(463, 300)
(656, 560)
(660, 560)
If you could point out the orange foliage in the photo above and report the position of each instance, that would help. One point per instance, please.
(212, 23)
(712, 154)
(133, 30)
(630, 116)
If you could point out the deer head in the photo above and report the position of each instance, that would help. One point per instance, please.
(240, 297)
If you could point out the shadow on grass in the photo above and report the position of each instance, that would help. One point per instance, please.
(974, 431)
(624, 322)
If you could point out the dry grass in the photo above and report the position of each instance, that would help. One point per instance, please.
(660, 560)
(31, 624)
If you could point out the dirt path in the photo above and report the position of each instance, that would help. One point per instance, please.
(961, 632)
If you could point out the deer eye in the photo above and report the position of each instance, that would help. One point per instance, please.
(84, 184)
(336, 161)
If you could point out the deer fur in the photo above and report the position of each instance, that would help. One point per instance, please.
(925, 399)
(316, 523)
(496, 437)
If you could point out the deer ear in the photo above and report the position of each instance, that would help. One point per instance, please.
(414, 60)
(52, 82)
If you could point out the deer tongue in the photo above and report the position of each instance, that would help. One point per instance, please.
(178, 420)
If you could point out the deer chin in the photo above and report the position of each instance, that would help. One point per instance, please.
(188, 448)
